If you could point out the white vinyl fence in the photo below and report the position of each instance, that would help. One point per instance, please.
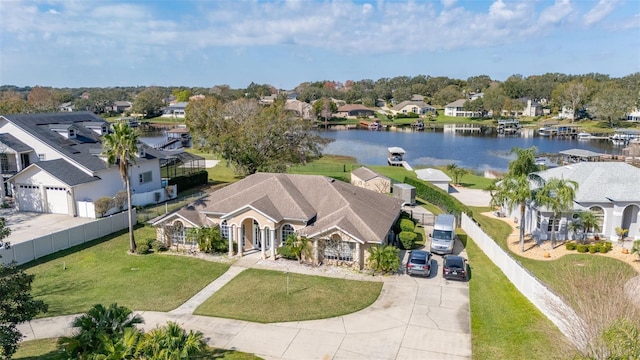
(29, 250)
(542, 297)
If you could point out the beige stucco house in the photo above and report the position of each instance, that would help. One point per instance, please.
(366, 178)
(260, 211)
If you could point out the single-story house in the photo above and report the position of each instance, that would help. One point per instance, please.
(121, 106)
(355, 110)
(261, 210)
(435, 177)
(301, 108)
(413, 106)
(54, 164)
(366, 178)
(608, 189)
(176, 110)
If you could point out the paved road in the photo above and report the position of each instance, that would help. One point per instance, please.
(413, 318)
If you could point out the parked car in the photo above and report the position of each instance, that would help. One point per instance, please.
(419, 263)
(454, 267)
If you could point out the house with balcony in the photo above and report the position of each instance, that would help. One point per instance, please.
(53, 163)
(456, 109)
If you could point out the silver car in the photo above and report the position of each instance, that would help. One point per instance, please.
(419, 263)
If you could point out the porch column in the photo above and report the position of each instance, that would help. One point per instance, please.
(315, 252)
(357, 257)
(272, 234)
(230, 233)
(239, 237)
(262, 243)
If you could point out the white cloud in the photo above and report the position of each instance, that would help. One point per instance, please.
(448, 3)
(599, 11)
(556, 13)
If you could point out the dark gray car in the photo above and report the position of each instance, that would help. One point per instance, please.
(454, 267)
(419, 263)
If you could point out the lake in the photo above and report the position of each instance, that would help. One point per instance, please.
(427, 148)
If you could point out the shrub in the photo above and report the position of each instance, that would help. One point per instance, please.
(159, 246)
(407, 239)
(142, 249)
(102, 205)
(592, 249)
(608, 245)
(599, 248)
(120, 200)
(582, 248)
(285, 252)
(407, 225)
(570, 246)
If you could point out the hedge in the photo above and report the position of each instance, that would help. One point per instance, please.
(407, 239)
(440, 198)
(188, 181)
(407, 225)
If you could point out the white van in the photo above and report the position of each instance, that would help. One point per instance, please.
(443, 235)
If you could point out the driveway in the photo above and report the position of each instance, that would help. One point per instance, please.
(30, 225)
(413, 318)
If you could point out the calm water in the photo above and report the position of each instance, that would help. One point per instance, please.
(479, 152)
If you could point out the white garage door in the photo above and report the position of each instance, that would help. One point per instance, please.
(57, 200)
(29, 198)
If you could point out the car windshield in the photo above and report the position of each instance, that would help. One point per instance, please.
(420, 261)
(442, 234)
(454, 262)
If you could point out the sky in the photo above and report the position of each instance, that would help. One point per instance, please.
(203, 43)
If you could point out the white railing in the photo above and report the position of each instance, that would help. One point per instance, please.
(33, 249)
(562, 315)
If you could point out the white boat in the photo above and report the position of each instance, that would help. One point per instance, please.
(546, 131)
(621, 139)
(583, 135)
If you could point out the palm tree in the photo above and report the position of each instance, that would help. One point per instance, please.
(557, 195)
(525, 162)
(299, 246)
(590, 221)
(515, 191)
(491, 189)
(383, 258)
(120, 148)
(95, 325)
(172, 342)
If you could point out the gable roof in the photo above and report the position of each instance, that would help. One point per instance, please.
(365, 174)
(14, 144)
(353, 107)
(323, 203)
(63, 171)
(420, 104)
(599, 181)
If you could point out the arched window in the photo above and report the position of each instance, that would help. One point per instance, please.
(286, 231)
(224, 229)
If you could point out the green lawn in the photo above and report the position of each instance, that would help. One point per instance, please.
(504, 324)
(45, 349)
(261, 296)
(72, 281)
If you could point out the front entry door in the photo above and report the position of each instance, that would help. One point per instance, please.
(257, 235)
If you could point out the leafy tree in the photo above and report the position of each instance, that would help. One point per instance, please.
(182, 95)
(16, 303)
(478, 83)
(611, 103)
(12, 102)
(252, 137)
(515, 87)
(102, 205)
(41, 99)
(120, 148)
(558, 196)
(383, 258)
(98, 329)
(447, 95)
(172, 342)
(149, 102)
(325, 108)
(573, 95)
(515, 188)
(493, 100)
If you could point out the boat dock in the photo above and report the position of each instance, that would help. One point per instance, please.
(462, 128)
(395, 158)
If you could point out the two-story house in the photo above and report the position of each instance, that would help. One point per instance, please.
(53, 163)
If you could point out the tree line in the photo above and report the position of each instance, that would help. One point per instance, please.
(607, 98)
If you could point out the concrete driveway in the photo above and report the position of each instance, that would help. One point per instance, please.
(413, 318)
(29, 225)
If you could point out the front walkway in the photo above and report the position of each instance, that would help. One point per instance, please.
(413, 318)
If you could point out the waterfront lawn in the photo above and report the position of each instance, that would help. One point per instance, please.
(103, 272)
(504, 324)
(46, 349)
(261, 296)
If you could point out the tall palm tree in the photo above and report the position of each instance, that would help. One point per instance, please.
(515, 191)
(557, 195)
(120, 148)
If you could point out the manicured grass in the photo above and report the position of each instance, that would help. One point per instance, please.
(504, 324)
(261, 296)
(71, 282)
(45, 349)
